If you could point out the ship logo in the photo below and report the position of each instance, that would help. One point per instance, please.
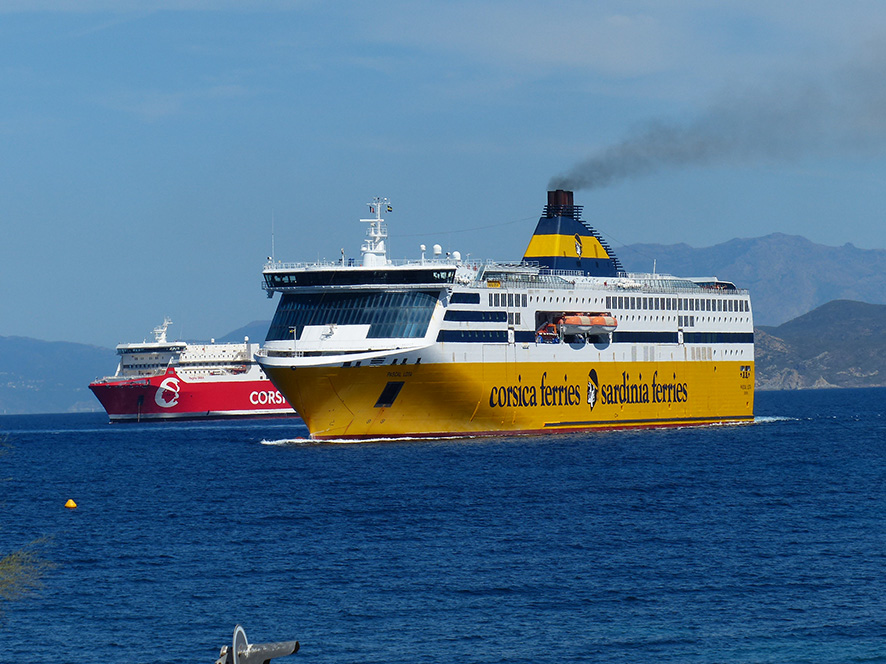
(167, 393)
(577, 239)
(593, 386)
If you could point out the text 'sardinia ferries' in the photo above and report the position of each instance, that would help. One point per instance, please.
(168, 380)
(564, 340)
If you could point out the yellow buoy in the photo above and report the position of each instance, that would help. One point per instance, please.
(70, 504)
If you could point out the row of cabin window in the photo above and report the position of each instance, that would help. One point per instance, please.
(636, 302)
(202, 363)
(676, 303)
(507, 299)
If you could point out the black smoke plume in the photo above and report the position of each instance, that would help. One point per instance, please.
(838, 115)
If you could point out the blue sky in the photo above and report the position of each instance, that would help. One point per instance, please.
(147, 146)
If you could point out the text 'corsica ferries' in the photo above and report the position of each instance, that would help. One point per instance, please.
(564, 340)
(174, 380)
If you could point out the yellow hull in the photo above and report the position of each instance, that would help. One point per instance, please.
(485, 398)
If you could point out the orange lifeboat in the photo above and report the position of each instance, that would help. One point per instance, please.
(603, 323)
(547, 334)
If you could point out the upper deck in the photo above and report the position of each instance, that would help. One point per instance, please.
(300, 277)
(352, 307)
(376, 272)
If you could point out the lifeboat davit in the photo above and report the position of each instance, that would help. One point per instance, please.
(587, 323)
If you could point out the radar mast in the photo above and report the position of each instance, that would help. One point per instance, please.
(374, 246)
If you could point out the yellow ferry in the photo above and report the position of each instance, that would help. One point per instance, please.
(563, 340)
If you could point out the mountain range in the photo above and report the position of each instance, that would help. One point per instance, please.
(819, 311)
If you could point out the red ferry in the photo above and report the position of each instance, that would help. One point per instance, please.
(162, 380)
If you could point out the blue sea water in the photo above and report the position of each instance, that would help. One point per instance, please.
(755, 543)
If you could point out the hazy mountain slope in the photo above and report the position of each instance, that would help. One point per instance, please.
(787, 275)
(50, 376)
(256, 331)
(840, 344)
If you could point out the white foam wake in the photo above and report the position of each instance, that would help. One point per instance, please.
(289, 441)
(766, 419)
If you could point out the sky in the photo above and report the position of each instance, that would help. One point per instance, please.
(154, 154)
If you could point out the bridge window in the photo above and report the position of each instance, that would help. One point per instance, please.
(465, 298)
(388, 314)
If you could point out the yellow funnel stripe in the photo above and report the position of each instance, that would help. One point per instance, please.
(541, 246)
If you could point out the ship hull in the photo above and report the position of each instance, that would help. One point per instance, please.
(172, 397)
(467, 399)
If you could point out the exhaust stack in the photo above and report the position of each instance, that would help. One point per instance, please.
(560, 204)
(560, 197)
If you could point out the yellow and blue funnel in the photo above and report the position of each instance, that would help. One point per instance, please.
(562, 241)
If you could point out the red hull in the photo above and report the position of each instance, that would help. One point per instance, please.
(170, 396)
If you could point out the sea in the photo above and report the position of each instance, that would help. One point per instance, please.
(763, 542)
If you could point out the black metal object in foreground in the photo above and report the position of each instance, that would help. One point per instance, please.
(242, 652)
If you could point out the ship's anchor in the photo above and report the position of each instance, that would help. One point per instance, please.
(243, 652)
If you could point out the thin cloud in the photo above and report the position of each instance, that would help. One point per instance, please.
(533, 35)
(154, 105)
(135, 6)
